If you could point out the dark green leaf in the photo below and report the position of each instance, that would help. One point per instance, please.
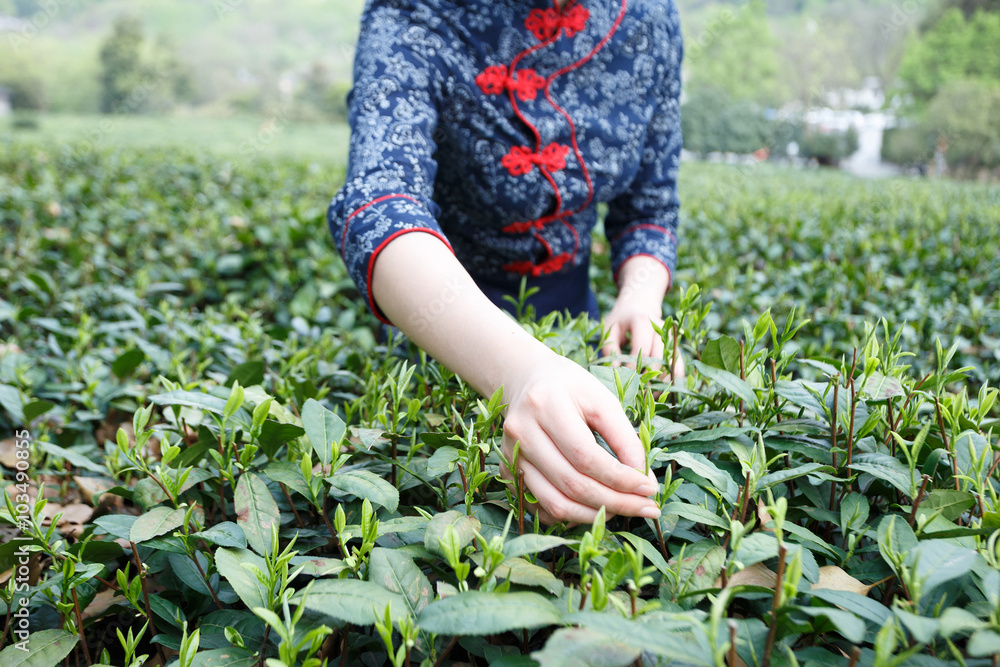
(366, 485)
(247, 374)
(127, 362)
(397, 573)
(46, 648)
(479, 613)
(256, 512)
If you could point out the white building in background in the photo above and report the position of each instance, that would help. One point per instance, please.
(869, 97)
(5, 105)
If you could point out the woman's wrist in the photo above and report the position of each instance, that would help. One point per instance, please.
(642, 284)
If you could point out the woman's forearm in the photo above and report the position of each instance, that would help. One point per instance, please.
(423, 290)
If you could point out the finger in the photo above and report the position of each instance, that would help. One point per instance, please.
(649, 341)
(583, 488)
(565, 426)
(604, 414)
(556, 505)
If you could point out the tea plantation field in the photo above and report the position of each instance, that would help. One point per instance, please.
(209, 460)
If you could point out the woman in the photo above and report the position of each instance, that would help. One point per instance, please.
(484, 133)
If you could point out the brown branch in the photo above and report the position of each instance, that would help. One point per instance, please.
(79, 628)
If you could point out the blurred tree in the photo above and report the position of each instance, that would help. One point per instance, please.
(26, 92)
(121, 64)
(953, 49)
(711, 121)
(737, 53)
(966, 115)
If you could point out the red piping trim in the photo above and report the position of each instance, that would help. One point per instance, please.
(381, 246)
(343, 237)
(644, 225)
(565, 114)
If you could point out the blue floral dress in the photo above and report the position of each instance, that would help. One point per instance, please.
(498, 126)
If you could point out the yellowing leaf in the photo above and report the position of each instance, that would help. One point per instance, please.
(755, 575)
(835, 579)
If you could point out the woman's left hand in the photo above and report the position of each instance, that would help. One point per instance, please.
(642, 283)
(632, 325)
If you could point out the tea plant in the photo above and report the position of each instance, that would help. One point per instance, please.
(224, 468)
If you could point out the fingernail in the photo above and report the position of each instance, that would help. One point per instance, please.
(650, 512)
(648, 489)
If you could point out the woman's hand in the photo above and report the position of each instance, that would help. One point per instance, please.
(552, 412)
(553, 404)
(642, 282)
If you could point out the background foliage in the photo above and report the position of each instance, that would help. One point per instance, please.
(199, 378)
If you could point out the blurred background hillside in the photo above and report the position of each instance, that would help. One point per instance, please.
(849, 83)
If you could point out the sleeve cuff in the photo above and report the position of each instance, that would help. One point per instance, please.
(645, 239)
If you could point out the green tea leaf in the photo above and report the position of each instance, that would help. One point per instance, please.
(256, 511)
(730, 382)
(156, 521)
(724, 353)
(576, 647)
(353, 600)
(479, 613)
(397, 573)
(886, 468)
(366, 485)
(46, 648)
(250, 590)
(660, 636)
(465, 529)
(695, 513)
(532, 543)
(323, 428)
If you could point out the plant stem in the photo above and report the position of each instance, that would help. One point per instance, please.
(520, 502)
(920, 496)
(343, 648)
(145, 594)
(743, 376)
(6, 627)
(291, 504)
(447, 650)
(659, 536)
(79, 628)
(395, 459)
(850, 430)
(855, 656)
(263, 645)
(204, 576)
(947, 445)
(890, 442)
(834, 427)
(775, 605)
(774, 381)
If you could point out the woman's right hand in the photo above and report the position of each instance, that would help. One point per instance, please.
(553, 404)
(552, 412)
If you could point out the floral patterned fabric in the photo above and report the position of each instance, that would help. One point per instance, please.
(498, 126)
